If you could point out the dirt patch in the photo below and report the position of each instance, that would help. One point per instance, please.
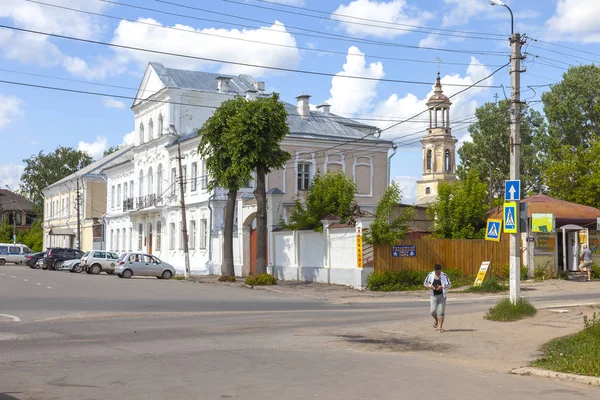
(387, 343)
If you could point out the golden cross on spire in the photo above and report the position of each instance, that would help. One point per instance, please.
(439, 60)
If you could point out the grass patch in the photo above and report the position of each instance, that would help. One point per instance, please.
(391, 281)
(261, 280)
(576, 354)
(227, 278)
(489, 285)
(506, 311)
(179, 278)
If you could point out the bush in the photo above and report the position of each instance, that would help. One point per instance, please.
(227, 278)
(261, 280)
(489, 285)
(390, 281)
(506, 311)
(505, 272)
(595, 271)
(543, 273)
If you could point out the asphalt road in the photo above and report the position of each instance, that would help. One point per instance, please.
(77, 336)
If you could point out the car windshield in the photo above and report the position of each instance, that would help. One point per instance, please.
(85, 254)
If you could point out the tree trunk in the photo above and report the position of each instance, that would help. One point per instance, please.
(227, 265)
(260, 194)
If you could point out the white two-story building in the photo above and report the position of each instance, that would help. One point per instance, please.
(143, 198)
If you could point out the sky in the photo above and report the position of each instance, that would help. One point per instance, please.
(396, 44)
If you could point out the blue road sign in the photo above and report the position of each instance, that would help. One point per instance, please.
(512, 190)
(492, 231)
(510, 217)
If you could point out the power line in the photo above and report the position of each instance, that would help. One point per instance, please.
(374, 20)
(396, 28)
(565, 47)
(369, 41)
(563, 53)
(222, 61)
(327, 51)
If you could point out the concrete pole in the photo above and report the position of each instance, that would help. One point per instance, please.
(78, 245)
(515, 155)
(186, 250)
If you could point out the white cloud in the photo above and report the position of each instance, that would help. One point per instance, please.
(432, 40)
(95, 148)
(10, 174)
(408, 186)
(392, 12)
(100, 68)
(348, 96)
(185, 41)
(129, 138)
(575, 20)
(109, 102)
(462, 10)
(29, 48)
(10, 109)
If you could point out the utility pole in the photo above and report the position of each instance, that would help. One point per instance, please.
(186, 249)
(14, 235)
(78, 244)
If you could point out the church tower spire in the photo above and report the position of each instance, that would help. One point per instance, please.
(438, 146)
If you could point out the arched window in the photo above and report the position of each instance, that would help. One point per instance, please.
(140, 236)
(447, 160)
(141, 184)
(141, 133)
(150, 181)
(429, 160)
(158, 235)
(428, 190)
(160, 125)
(159, 178)
(150, 129)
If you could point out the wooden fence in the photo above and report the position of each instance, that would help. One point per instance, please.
(464, 254)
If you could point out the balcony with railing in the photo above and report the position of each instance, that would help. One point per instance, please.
(141, 203)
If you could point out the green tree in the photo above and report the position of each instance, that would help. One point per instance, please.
(330, 193)
(215, 138)
(389, 226)
(460, 209)
(489, 147)
(32, 237)
(42, 170)
(111, 150)
(258, 129)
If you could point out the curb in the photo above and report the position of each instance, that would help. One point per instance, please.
(526, 371)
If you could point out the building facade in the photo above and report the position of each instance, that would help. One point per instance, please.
(439, 164)
(143, 197)
(60, 207)
(16, 210)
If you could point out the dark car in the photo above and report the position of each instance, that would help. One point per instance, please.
(32, 259)
(56, 255)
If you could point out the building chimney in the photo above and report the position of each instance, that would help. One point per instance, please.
(223, 84)
(259, 86)
(303, 107)
(251, 94)
(324, 108)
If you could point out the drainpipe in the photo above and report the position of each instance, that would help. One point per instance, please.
(389, 176)
(210, 223)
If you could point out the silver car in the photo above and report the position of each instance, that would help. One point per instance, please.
(99, 260)
(141, 264)
(73, 265)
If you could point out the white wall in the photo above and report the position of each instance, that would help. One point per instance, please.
(312, 249)
(343, 247)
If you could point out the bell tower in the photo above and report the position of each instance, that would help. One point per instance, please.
(438, 147)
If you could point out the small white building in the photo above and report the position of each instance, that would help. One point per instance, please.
(143, 199)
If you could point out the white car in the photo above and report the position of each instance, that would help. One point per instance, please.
(97, 261)
(142, 264)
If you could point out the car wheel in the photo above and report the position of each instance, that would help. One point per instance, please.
(166, 275)
(78, 268)
(57, 265)
(96, 269)
(2, 261)
(127, 274)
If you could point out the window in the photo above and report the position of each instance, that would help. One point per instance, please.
(428, 160)
(159, 188)
(194, 176)
(131, 191)
(158, 235)
(99, 254)
(203, 228)
(427, 190)
(150, 181)
(125, 192)
(130, 239)
(160, 125)
(447, 160)
(180, 237)
(184, 178)
(204, 177)
(141, 183)
(150, 129)
(192, 235)
(112, 197)
(303, 176)
(173, 180)
(64, 207)
(172, 236)
(14, 250)
(140, 237)
(119, 201)
(141, 133)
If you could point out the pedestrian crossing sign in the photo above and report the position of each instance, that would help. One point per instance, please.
(510, 217)
(492, 232)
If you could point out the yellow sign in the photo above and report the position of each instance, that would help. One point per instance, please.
(595, 242)
(545, 243)
(511, 218)
(359, 250)
(542, 222)
(483, 269)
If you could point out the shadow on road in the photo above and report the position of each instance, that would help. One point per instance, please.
(4, 396)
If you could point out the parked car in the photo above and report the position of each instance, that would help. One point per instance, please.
(141, 264)
(13, 253)
(32, 259)
(73, 265)
(96, 261)
(55, 256)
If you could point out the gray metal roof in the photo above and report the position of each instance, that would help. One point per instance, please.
(203, 81)
(95, 167)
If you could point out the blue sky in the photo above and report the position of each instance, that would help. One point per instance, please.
(395, 40)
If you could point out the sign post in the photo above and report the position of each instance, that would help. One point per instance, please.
(512, 195)
(483, 269)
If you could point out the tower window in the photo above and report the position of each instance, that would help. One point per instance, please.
(448, 162)
(428, 190)
(429, 160)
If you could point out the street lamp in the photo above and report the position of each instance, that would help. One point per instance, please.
(186, 250)
(515, 148)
